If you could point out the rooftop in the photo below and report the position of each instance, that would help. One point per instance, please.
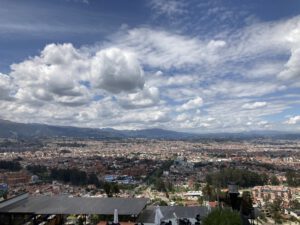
(74, 205)
(148, 215)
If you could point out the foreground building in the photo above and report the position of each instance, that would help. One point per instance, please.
(24, 208)
(53, 210)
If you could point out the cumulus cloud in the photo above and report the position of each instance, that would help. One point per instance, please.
(52, 76)
(293, 120)
(115, 70)
(102, 85)
(69, 76)
(147, 97)
(195, 103)
(6, 88)
(110, 89)
(254, 105)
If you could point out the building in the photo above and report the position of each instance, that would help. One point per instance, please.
(15, 178)
(262, 194)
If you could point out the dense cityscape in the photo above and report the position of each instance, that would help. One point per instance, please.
(183, 173)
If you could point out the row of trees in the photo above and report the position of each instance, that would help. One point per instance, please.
(155, 178)
(293, 178)
(243, 178)
(37, 169)
(77, 177)
(74, 176)
(10, 165)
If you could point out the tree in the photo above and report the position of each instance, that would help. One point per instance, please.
(274, 180)
(200, 200)
(80, 221)
(93, 179)
(276, 209)
(107, 189)
(222, 217)
(263, 217)
(242, 177)
(95, 219)
(160, 185)
(111, 189)
(115, 188)
(197, 186)
(10, 165)
(209, 192)
(247, 203)
(295, 204)
(292, 178)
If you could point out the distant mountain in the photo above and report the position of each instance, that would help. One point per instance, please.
(10, 129)
(156, 133)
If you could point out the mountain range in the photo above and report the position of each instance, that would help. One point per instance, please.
(9, 129)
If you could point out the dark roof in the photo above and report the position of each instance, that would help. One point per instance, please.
(76, 205)
(148, 215)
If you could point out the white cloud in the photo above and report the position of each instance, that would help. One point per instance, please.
(238, 89)
(162, 49)
(264, 124)
(293, 120)
(110, 89)
(62, 74)
(167, 80)
(292, 67)
(115, 70)
(79, 1)
(146, 117)
(182, 117)
(147, 97)
(167, 7)
(195, 103)
(263, 69)
(6, 88)
(254, 105)
(53, 76)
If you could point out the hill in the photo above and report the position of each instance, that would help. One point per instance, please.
(9, 129)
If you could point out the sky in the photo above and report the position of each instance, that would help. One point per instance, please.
(197, 66)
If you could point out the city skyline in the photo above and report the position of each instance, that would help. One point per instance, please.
(193, 66)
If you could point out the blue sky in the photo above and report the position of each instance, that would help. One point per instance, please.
(198, 66)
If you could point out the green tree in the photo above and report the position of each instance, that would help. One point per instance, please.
(107, 189)
(80, 221)
(111, 189)
(160, 185)
(197, 186)
(274, 180)
(93, 179)
(295, 204)
(10, 165)
(293, 178)
(246, 203)
(209, 192)
(95, 219)
(276, 209)
(222, 217)
(242, 177)
(263, 217)
(200, 200)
